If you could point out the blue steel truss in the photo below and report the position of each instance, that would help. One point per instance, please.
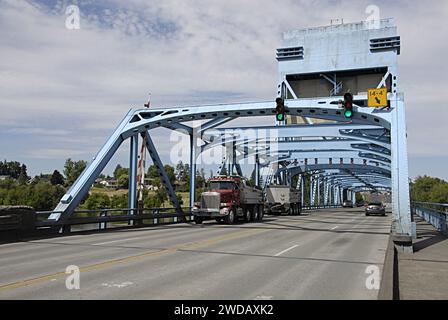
(368, 152)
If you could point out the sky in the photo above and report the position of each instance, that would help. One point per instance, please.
(63, 91)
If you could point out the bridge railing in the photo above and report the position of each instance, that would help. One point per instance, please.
(434, 213)
(101, 219)
(309, 207)
(112, 218)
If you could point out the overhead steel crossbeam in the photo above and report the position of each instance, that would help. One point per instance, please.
(350, 167)
(244, 134)
(264, 146)
(324, 156)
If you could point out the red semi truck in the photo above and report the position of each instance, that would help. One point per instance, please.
(229, 199)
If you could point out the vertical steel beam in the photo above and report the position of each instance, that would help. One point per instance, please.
(318, 191)
(257, 169)
(401, 211)
(133, 162)
(311, 191)
(302, 194)
(193, 141)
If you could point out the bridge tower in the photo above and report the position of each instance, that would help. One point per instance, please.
(330, 61)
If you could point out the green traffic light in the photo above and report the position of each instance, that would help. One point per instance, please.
(348, 113)
(280, 117)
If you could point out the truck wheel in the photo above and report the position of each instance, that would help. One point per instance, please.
(246, 213)
(253, 214)
(230, 218)
(292, 209)
(198, 220)
(260, 213)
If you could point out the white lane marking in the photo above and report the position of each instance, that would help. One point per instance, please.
(334, 228)
(118, 285)
(286, 250)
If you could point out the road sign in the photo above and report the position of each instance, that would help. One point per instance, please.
(377, 98)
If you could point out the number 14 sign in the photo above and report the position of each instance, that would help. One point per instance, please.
(377, 98)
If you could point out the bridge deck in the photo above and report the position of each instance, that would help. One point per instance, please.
(320, 256)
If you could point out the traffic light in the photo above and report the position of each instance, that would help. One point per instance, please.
(280, 110)
(348, 105)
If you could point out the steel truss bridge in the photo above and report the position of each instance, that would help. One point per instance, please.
(365, 153)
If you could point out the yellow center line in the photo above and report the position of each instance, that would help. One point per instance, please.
(109, 263)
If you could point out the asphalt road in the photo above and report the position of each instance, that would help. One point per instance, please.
(323, 255)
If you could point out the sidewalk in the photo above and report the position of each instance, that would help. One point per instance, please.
(424, 275)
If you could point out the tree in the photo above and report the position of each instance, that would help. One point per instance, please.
(122, 176)
(161, 195)
(422, 189)
(57, 178)
(97, 201)
(119, 201)
(439, 193)
(44, 196)
(123, 181)
(152, 202)
(117, 171)
(73, 169)
(12, 168)
(170, 173)
(23, 176)
(152, 172)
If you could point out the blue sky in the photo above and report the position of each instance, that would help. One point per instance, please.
(62, 92)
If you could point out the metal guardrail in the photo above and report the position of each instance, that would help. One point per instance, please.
(434, 213)
(321, 207)
(103, 218)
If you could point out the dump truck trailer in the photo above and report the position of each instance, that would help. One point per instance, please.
(282, 199)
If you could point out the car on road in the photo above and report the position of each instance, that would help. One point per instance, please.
(375, 208)
(347, 204)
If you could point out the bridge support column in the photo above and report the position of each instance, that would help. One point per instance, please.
(311, 191)
(257, 170)
(193, 142)
(302, 194)
(325, 192)
(133, 162)
(402, 221)
(318, 191)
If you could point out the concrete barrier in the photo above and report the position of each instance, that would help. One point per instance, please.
(16, 221)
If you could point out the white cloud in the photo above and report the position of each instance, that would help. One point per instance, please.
(184, 52)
